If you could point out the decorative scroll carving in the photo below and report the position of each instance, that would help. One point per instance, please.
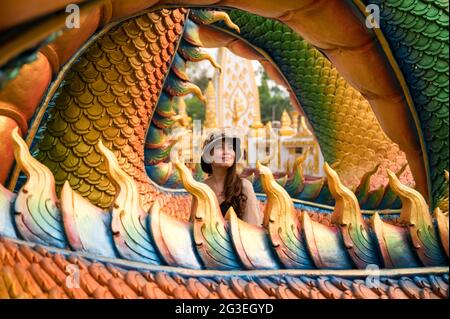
(417, 218)
(88, 228)
(282, 224)
(173, 238)
(38, 218)
(210, 230)
(252, 244)
(129, 226)
(347, 216)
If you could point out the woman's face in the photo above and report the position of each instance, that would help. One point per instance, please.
(223, 154)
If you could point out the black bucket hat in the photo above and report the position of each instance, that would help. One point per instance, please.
(212, 140)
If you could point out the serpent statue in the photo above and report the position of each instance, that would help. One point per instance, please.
(90, 176)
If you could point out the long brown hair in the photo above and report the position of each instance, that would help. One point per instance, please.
(233, 193)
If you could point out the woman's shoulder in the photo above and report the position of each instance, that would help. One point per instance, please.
(246, 184)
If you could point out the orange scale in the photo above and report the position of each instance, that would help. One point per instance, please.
(98, 87)
(111, 133)
(144, 56)
(140, 43)
(82, 149)
(159, 27)
(118, 35)
(92, 137)
(128, 131)
(131, 29)
(178, 29)
(84, 100)
(171, 49)
(154, 48)
(82, 126)
(76, 87)
(129, 79)
(112, 76)
(157, 61)
(95, 112)
(93, 160)
(129, 51)
(118, 89)
(114, 110)
(70, 138)
(70, 164)
(143, 85)
(134, 91)
(85, 189)
(143, 23)
(124, 68)
(47, 142)
(120, 121)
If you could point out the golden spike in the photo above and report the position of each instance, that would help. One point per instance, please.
(28, 163)
(347, 215)
(213, 62)
(414, 205)
(278, 200)
(207, 204)
(304, 130)
(127, 193)
(194, 89)
(223, 16)
(347, 206)
(282, 223)
(298, 164)
(38, 217)
(417, 218)
(336, 164)
(364, 183)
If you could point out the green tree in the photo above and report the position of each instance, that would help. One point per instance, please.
(273, 100)
(194, 107)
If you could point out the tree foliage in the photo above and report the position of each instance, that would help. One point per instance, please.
(273, 100)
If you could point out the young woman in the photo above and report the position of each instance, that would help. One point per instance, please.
(220, 154)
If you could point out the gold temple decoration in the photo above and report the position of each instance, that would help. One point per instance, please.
(210, 110)
(237, 90)
(294, 116)
(182, 118)
(286, 123)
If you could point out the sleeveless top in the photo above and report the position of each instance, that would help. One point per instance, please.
(224, 207)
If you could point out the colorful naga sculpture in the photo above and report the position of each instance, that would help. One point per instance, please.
(90, 180)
